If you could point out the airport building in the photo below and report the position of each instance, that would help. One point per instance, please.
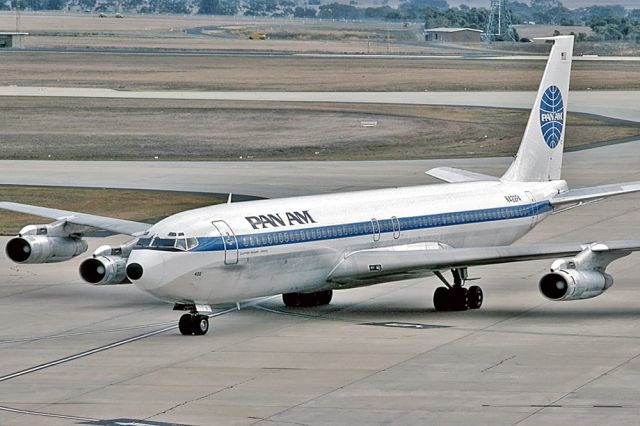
(453, 35)
(13, 40)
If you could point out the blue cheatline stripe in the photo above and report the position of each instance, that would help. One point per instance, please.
(347, 230)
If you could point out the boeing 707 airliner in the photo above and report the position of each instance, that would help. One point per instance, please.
(306, 247)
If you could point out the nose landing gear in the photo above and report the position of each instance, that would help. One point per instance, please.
(456, 297)
(193, 323)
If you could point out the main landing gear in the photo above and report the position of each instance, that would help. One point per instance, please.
(456, 297)
(193, 323)
(307, 300)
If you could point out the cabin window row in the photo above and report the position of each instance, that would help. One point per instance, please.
(368, 228)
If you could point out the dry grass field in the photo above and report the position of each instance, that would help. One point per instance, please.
(64, 128)
(119, 203)
(189, 72)
(77, 128)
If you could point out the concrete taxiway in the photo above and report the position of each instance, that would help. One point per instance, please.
(76, 354)
(282, 179)
(615, 104)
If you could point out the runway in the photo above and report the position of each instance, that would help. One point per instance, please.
(76, 354)
(615, 104)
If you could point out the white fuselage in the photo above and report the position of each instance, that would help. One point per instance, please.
(269, 247)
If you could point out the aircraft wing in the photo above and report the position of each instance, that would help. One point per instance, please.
(119, 226)
(594, 193)
(453, 175)
(377, 265)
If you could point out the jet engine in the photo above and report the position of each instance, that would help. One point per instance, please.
(51, 243)
(572, 284)
(43, 249)
(583, 276)
(107, 266)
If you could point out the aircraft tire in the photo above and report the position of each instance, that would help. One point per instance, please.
(200, 324)
(475, 297)
(307, 300)
(185, 325)
(441, 299)
(459, 297)
(324, 297)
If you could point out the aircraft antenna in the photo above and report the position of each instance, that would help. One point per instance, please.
(499, 25)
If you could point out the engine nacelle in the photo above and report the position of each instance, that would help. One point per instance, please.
(44, 249)
(573, 284)
(104, 270)
(108, 265)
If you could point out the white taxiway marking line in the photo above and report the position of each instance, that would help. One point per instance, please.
(100, 349)
(39, 413)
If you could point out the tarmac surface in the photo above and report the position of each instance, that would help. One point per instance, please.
(615, 104)
(76, 354)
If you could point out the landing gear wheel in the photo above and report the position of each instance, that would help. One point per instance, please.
(307, 300)
(191, 324)
(184, 325)
(441, 299)
(475, 297)
(459, 299)
(324, 297)
(200, 324)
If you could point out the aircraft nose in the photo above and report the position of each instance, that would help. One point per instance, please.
(134, 271)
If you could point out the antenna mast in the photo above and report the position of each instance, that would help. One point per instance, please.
(499, 24)
(17, 16)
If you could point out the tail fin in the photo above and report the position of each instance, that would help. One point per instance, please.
(539, 158)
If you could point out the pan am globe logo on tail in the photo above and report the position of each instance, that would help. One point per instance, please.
(552, 116)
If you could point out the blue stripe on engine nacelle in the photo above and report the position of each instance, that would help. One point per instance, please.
(295, 236)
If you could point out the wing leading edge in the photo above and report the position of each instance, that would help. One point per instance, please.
(119, 226)
(416, 259)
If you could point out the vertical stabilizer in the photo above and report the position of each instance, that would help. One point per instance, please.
(539, 158)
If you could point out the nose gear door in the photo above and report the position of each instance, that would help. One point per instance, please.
(229, 240)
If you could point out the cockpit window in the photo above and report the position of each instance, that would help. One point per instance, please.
(176, 241)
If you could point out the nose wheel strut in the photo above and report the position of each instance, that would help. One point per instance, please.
(456, 297)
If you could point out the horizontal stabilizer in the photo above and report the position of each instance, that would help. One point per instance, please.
(453, 175)
(574, 196)
(119, 226)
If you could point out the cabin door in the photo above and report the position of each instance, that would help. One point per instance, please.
(229, 240)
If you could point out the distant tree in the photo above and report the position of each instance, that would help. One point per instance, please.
(470, 18)
(54, 4)
(208, 7)
(587, 13)
(304, 12)
(615, 29)
(382, 12)
(545, 4)
(339, 11)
